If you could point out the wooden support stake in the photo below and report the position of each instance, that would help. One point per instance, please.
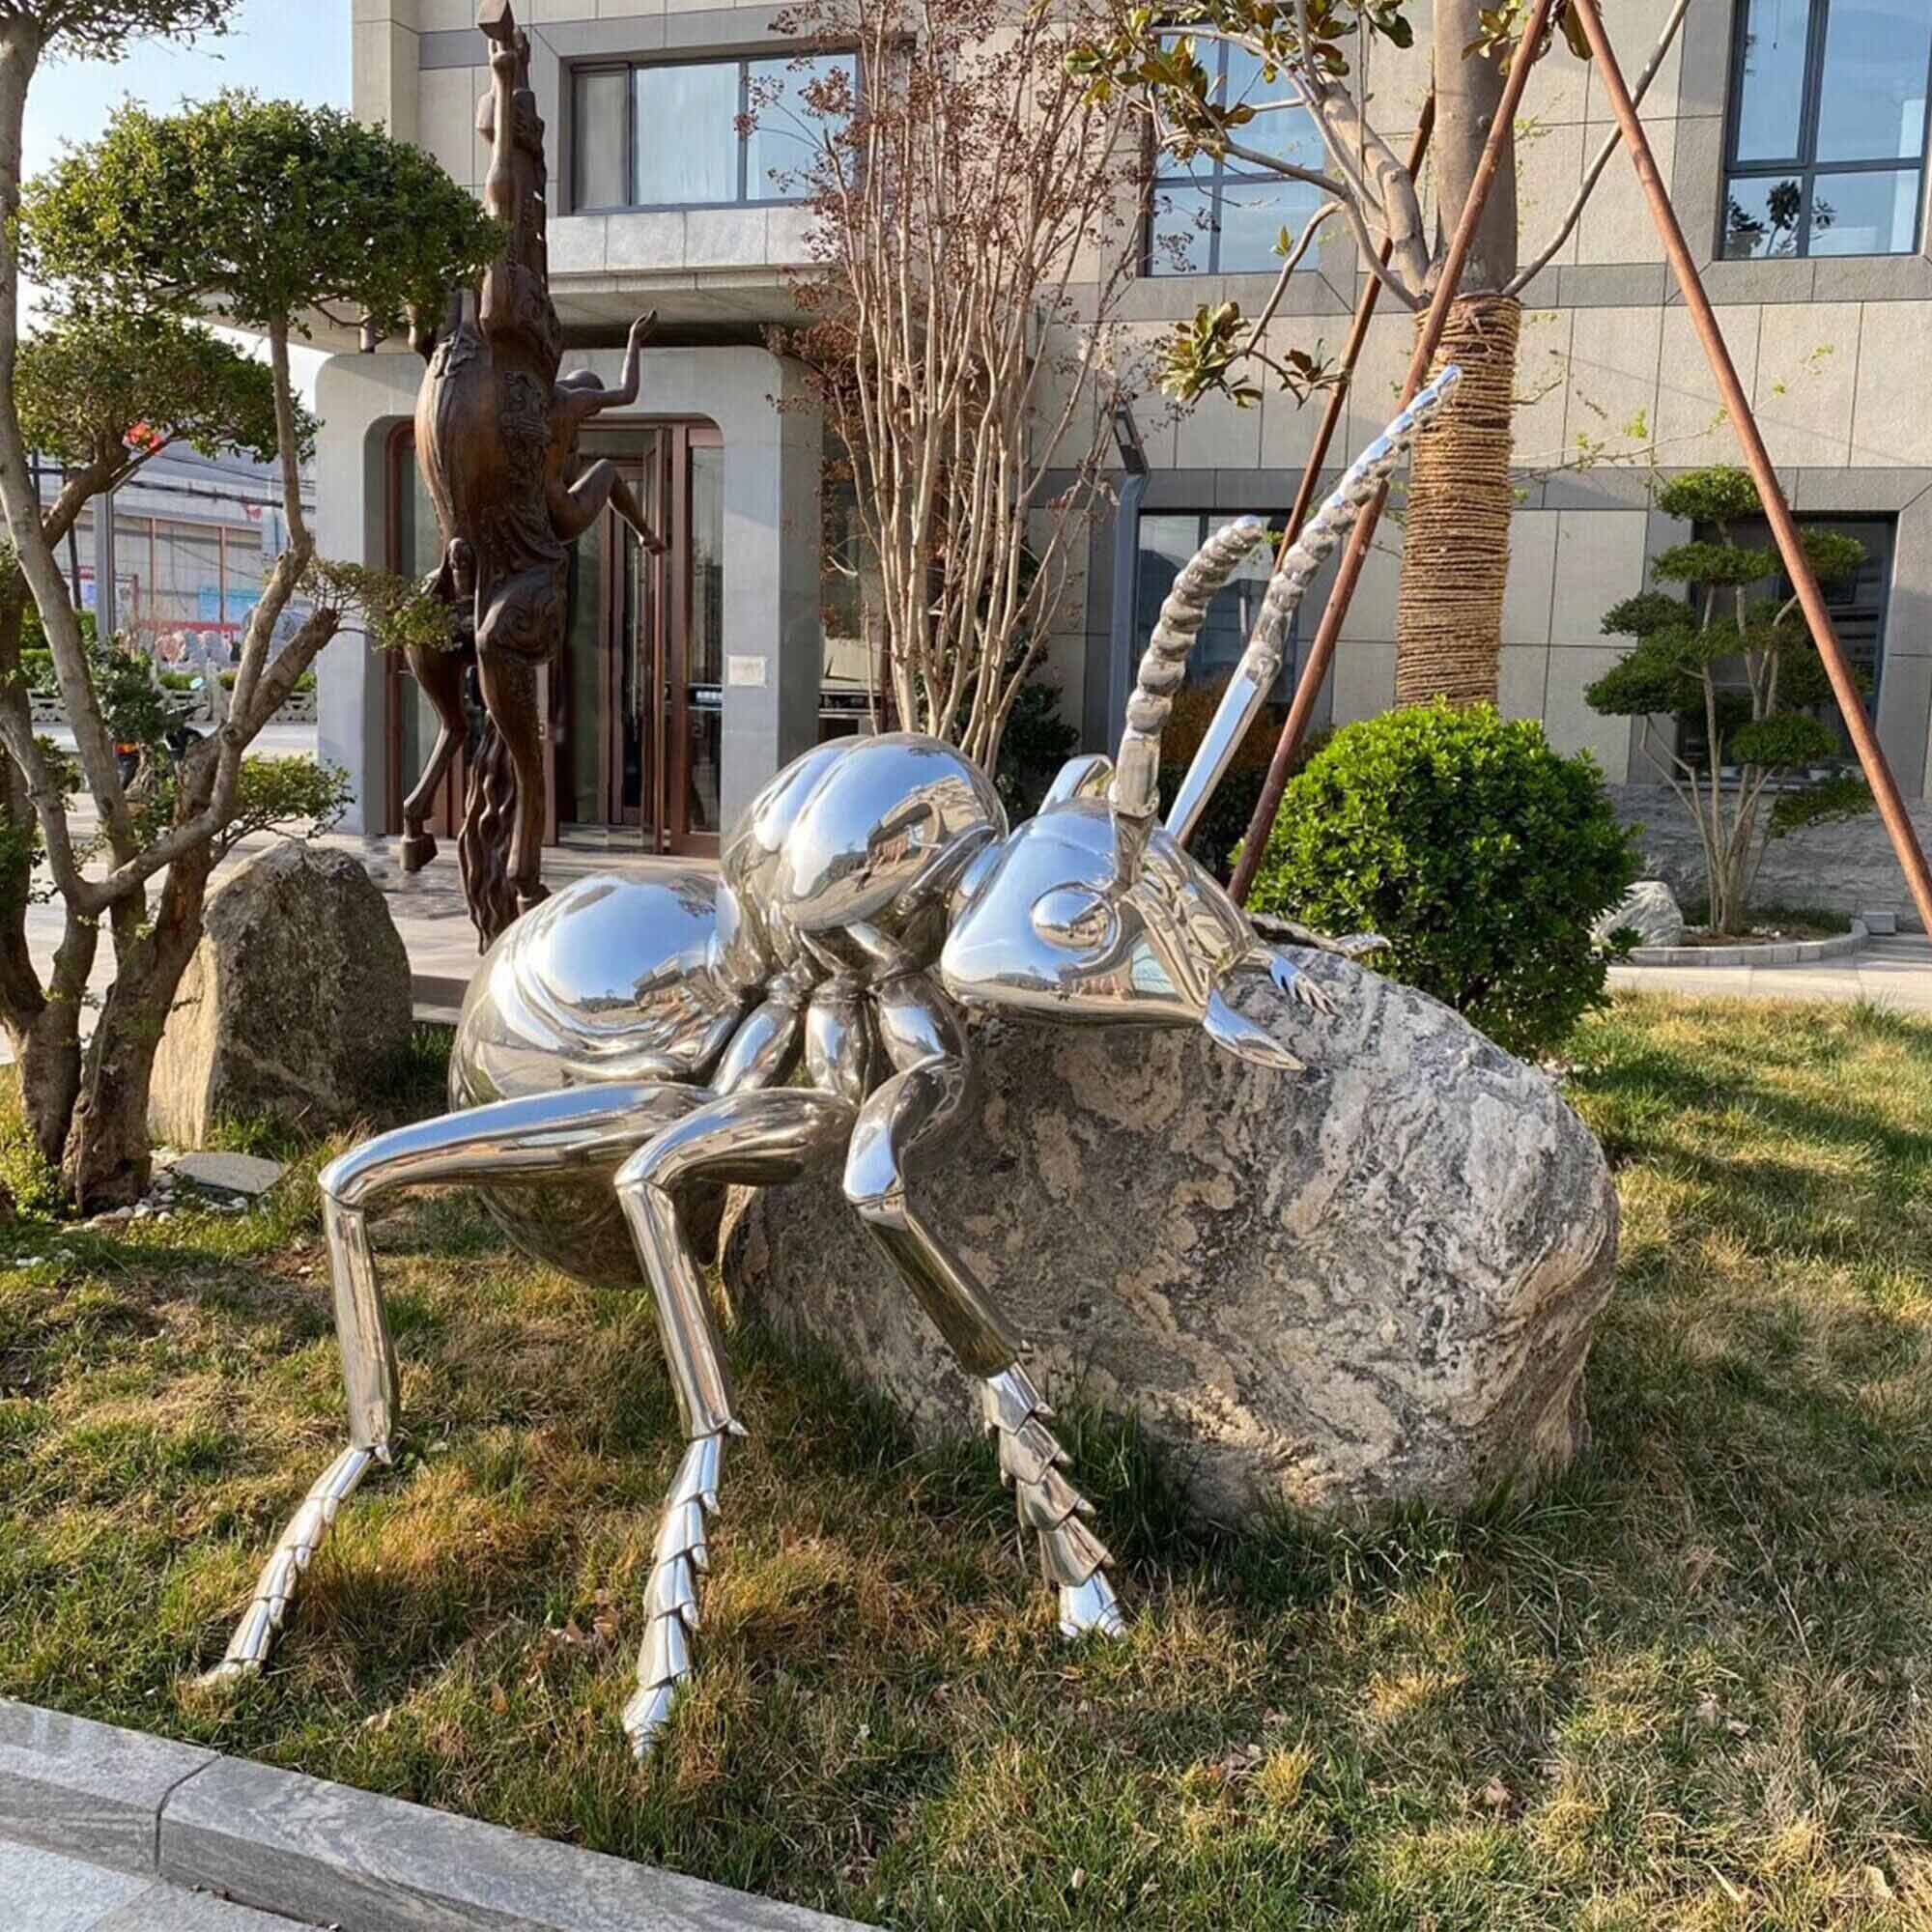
(1315, 673)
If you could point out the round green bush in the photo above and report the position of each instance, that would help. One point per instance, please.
(1481, 854)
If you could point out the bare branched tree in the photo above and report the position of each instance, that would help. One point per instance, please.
(976, 215)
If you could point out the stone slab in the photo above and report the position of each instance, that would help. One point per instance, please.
(325, 1852)
(42, 1892)
(1841, 945)
(232, 1173)
(88, 1790)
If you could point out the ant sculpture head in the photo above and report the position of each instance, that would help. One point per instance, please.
(1092, 910)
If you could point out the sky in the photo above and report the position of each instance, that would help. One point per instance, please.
(287, 49)
(291, 49)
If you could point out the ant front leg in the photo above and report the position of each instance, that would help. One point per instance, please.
(527, 1139)
(923, 1039)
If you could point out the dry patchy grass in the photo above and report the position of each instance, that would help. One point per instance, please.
(1685, 1688)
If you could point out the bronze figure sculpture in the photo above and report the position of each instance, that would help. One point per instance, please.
(497, 434)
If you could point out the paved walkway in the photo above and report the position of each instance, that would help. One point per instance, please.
(430, 915)
(42, 1891)
(1895, 972)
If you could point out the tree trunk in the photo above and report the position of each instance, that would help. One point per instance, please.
(48, 1057)
(41, 1024)
(1727, 883)
(1454, 553)
(1456, 539)
(107, 1161)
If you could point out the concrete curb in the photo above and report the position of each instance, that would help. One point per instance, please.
(1793, 952)
(327, 1853)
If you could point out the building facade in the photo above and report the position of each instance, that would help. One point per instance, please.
(193, 540)
(1793, 133)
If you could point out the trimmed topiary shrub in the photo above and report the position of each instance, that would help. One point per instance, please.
(1481, 854)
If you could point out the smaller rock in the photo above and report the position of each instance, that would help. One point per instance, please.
(1879, 924)
(230, 1172)
(295, 1008)
(1649, 909)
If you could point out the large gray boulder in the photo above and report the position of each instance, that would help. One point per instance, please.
(1372, 1281)
(296, 1005)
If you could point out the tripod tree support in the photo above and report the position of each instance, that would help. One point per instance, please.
(1348, 574)
(1758, 460)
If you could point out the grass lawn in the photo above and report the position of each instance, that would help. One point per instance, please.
(1687, 1686)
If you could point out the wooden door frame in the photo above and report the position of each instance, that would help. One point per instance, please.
(668, 720)
(692, 434)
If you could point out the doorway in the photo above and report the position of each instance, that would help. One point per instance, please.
(637, 694)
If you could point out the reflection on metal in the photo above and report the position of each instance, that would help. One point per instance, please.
(630, 1049)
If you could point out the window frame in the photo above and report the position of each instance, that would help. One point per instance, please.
(1216, 181)
(581, 70)
(1804, 165)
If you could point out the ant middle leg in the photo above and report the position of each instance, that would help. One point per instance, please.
(905, 1116)
(757, 1135)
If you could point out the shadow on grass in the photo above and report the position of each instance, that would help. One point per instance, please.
(1689, 1674)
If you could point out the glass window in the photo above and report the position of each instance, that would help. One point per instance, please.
(687, 134)
(1865, 213)
(787, 102)
(1871, 101)
(1776, 36)
(1827, 99)
(603, 147)
(1226, 217)
(696, 133)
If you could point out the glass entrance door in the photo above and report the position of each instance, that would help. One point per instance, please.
(637, 712)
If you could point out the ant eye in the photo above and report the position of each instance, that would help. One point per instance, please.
(1071, 916)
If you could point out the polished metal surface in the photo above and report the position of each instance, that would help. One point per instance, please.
(1072, 1557)
(281, 1576)
(1261, 662)
(630, 1048)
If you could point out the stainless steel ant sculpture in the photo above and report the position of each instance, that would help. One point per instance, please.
(630, 1048)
